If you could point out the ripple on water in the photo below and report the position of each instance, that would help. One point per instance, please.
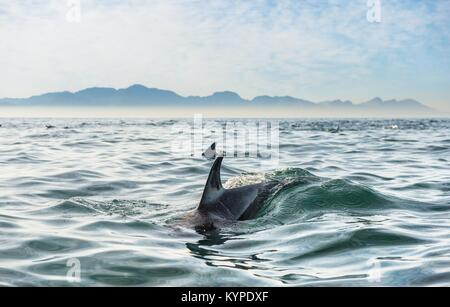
(112, 194)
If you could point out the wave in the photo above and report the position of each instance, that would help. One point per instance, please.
(300, 196)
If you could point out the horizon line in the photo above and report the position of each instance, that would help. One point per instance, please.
(216, 92)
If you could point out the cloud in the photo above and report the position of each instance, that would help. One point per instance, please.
(311, 49)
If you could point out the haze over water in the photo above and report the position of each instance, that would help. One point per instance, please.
(367, 206)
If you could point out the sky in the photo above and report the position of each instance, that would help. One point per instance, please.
(312, 49)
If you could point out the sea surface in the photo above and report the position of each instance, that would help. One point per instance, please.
(102, 202)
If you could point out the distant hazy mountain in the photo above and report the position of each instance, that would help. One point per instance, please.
(139, 95)
(337, 103)
(217, 99)
(285, 101)
(394, 104)
(136, 95)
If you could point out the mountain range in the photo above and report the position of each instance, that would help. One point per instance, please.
(139, 95)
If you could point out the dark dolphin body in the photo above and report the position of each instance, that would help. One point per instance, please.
(220, 204)
(336, 130)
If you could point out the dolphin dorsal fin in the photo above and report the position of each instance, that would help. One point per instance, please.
(210, 153)
(213, 188)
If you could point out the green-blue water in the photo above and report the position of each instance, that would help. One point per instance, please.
(368, 206)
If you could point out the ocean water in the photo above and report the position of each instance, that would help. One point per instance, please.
(107, 198)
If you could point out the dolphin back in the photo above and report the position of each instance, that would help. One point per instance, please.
(236, 204)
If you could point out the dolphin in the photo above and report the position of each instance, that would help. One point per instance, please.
(236, 204)
(210, 153)
(336, 130)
